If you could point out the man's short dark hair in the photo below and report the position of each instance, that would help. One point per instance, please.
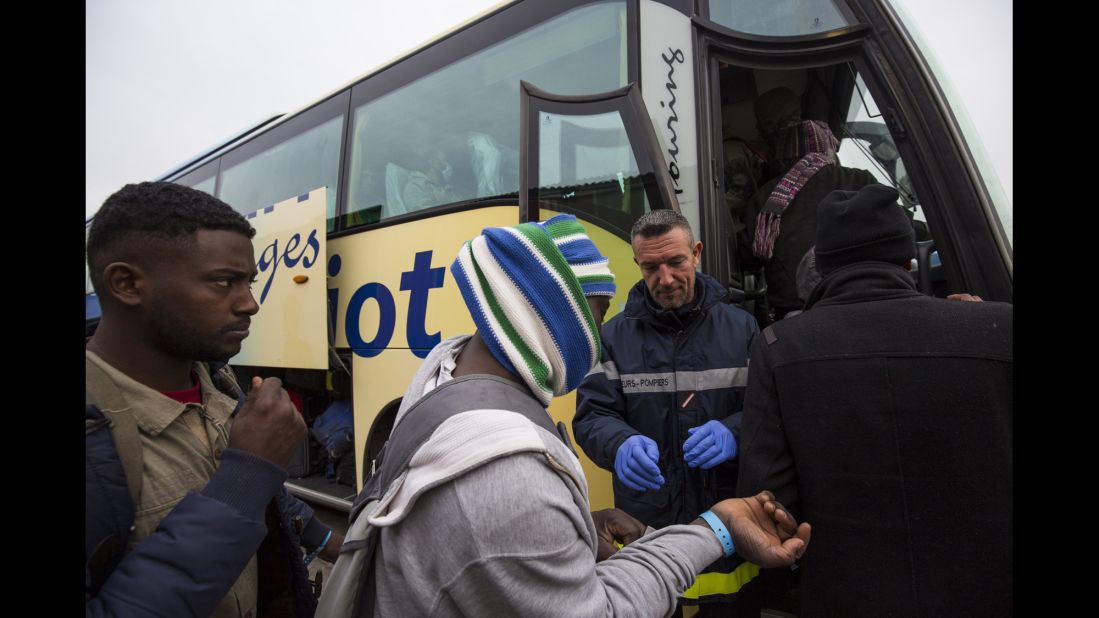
(137, 216)
(659, 222)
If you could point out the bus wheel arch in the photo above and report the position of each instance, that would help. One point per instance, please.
(378, 435)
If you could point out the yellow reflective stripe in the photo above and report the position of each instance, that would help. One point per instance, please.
(722, 583)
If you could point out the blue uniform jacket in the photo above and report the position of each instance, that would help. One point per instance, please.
(659, 378)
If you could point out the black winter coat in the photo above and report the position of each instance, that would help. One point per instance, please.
(884, 418)
(798, 231)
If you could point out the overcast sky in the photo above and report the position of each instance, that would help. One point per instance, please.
(167, 79)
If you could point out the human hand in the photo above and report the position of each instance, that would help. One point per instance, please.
(973, 298)
(268, 425)
(708, 445)
(331, 551)
(635, 464)
(785, 522)
(611, 526)
(763, 531)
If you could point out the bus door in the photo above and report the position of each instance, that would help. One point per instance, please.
(596, 157)
(290, 331)
(851, 66)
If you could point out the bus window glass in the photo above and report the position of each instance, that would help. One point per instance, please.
(778, 17)
(865, 143)
(298, 165)
(207, 185)
(586, 165)
(453, 135)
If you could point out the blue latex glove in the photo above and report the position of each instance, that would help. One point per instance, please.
(709, 445)
(635, 464)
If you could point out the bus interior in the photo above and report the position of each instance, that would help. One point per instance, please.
(835, 95)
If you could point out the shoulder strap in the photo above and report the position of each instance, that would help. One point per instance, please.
(350, 590)
(466, 393)
(100, 391)
(226, 381)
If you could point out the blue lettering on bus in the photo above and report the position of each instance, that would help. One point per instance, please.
(270, 257)
(335, 263)
(418, 282)
(388, 310)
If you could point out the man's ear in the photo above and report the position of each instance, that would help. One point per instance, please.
(698, 249)
(124, 282)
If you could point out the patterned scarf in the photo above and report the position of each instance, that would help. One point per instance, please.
(525, 287)
(813, 142)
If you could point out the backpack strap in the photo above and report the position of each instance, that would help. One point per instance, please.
(351, 590)
(105, 406)
(472, 392)
(101, 392)
(223, 378)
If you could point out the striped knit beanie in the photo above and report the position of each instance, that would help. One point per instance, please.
(590, 267)
(525, 288)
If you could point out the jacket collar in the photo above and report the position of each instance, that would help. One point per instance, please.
(640, 304)
(863, 282)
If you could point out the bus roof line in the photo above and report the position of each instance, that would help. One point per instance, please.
(280, 118)
(196, 161)
(412, 51)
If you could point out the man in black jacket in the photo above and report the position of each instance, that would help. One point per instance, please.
(875, 413)
(662, 410)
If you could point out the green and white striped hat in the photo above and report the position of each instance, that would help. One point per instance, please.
(525, 287)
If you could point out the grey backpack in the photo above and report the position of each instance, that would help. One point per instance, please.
(349, 590)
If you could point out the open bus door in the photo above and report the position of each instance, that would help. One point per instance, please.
(596, 157)
(291, 335)
(857, 69)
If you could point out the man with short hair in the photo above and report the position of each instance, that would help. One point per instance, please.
(875, 413)
(184, 475)
(662, 410)
(518, 536)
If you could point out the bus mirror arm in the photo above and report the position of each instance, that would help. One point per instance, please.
(924, 248)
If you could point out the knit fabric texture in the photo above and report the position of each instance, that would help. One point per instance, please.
(862, 226)
(590, 266)
(528, 300)
(813, 142)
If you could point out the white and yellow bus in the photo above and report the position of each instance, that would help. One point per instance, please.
(601, 108)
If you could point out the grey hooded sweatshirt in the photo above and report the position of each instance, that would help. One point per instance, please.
(514, 536)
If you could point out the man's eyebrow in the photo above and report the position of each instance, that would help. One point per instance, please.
(228, 270)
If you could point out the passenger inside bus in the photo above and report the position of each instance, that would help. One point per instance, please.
(495, 167)
(793, 129)
(773, 110)
(781, 217)
(430, 185)
(743, 172)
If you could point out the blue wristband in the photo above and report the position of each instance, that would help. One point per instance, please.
(316, 552)
(720, 530)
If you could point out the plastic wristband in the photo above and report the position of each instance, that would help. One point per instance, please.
(316, 552)
(720, 530)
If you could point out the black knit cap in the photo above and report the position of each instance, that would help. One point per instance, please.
(863, 226)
